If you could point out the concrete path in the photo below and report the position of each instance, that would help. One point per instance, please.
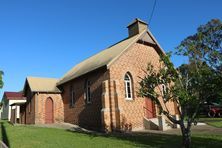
(200, 129)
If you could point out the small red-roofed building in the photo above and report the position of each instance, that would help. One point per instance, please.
(10, 98)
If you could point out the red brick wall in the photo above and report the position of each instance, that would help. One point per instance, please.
(30, 111)
(122, 112)
(134, 61)
(83, 114)
(36, 114)
(58, 107)
(22, 114)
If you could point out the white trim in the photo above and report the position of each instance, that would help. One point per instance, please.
(134, 41)
(129, 99)
(152, 36)
(128, 82)
(163, 89)
(105, 110)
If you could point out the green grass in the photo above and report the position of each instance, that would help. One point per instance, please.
(216, 122)
(36, 137)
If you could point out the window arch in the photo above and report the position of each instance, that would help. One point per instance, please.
(87, 93)
(128, 86)
(72, 96)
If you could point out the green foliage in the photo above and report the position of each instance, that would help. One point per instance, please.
(204, 50)
(206, 81)
(1, 81)
(205, 45)
(166, 84)
(195, 82)
(191, 84)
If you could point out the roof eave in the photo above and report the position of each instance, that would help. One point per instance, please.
(16, 98)
(42, 91)
(142, 34)
(136, 20)
(134, 41)
(158, 45)
(65, 81)
(59, 83)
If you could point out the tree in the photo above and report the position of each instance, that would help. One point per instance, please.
(211, 81)
(205, 46)
(176, 89)
(185, 85)
(204, 51)
(1, 81)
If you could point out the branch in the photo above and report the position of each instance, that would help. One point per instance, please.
(182, 113)
(195, 112)
(171, 118)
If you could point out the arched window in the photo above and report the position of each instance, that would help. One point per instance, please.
(164, 90)
(128, 86)
(87, 93)
(72, 96)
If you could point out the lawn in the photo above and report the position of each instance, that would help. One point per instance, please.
(36, 137)
(216, 122)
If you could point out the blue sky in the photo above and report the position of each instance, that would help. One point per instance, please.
(46, 38)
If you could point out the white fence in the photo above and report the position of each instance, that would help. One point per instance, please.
(2, 145)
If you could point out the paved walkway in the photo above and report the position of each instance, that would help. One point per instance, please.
(199, 129)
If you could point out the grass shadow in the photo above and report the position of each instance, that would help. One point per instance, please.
(4, 135)
(159, 140)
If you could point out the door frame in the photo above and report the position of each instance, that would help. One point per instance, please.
(49, 98)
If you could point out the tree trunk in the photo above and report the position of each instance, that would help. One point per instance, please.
(186, 135)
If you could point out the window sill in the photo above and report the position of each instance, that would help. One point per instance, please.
(129, 99)
(71, 106)
(88, 103)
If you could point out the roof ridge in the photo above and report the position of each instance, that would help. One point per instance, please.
(103, 50)
(139, 36)
(41, 77)
(119, 42)
(41, 84)
(106, 56)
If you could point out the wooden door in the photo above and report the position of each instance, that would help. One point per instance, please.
(12, 119)
(150, 111)
(49, 111)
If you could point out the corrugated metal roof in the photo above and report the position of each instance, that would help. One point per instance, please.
(99, 60)
(108, 56)
(37, 84)
(14, 96)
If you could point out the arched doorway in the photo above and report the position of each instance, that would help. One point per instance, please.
(49, 118)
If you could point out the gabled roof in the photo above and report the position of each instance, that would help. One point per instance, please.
(37, 84)
(14, 96)
(106, 57)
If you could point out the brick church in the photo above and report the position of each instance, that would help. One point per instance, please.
(100, 93)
